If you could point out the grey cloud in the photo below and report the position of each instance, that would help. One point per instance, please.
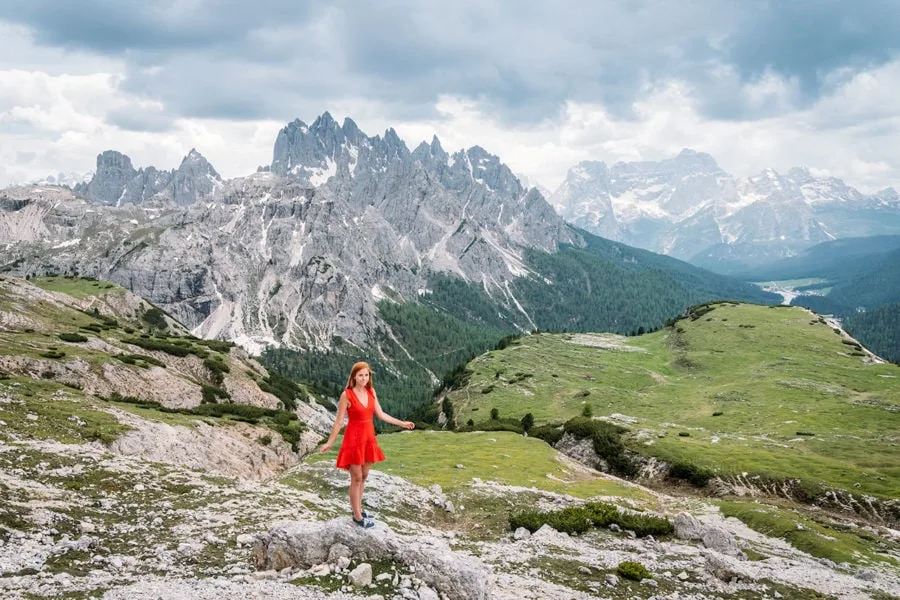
(280, 58)
(115, 26)
(135, 118)
(810, 38)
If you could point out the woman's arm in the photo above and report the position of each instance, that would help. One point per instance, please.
(388, 418)
(338, 422)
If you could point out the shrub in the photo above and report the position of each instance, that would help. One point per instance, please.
(806, 433)
(635, 571)
(48, 374)
(693, 474)
(500, 425)
(718, 413)
(217, 368)
(579, 519)
(607, 442)
(151, 344)
(684, 434)
(527, 422)
(53, 354)
(487, 389)
(495, 414)
(212, 394)
(470, 423)
(447, 409)
(283, 388)
(155, 318)
(72, 337)
(586, 410)
(265, 440)
(218, 345)
(549, 433)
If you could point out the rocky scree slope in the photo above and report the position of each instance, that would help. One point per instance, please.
(181, 399)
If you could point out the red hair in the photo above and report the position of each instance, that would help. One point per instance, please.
(356, 369)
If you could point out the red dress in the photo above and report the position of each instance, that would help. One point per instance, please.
(359, 445)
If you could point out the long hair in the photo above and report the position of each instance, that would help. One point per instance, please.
(356, 369)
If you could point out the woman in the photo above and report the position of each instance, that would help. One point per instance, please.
(359, 448)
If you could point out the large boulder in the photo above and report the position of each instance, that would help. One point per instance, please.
(300, 544)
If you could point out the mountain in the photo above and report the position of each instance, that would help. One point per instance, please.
(70, 179)
(116, 181)
(339, 240)
(829, 260)
(689, 208)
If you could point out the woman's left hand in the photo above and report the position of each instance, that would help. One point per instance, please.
(408, 425)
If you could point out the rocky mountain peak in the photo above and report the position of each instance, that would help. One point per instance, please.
(696, 161)
(686, 205)
(888, 195)
(117, 182)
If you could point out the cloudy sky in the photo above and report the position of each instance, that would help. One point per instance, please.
(543, 85)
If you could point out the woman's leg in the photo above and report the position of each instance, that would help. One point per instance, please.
(356, 487)
(362, 485)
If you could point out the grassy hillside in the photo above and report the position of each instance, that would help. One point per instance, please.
(768, 391)
(70, 347)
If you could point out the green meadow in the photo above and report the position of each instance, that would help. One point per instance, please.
(431, 457)
(765, 391)
(77, 287)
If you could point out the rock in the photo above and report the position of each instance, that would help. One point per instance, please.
(611, 579)
(721, 567)
(343, 562)
(426, 593)
(189, 549)
(244, 539)
(545, 533)
(459, 466)
(305, 544)
(86, 527)
(361, 575)
(337, 552)
(683, 576)
(687, 527)
(583, 569)
(865, 574)
(521, 533)
(716, 538)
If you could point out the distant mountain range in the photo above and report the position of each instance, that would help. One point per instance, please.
(689, 208)
(313, 251)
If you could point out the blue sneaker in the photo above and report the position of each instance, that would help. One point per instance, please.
(365, 522)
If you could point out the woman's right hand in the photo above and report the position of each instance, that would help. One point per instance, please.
(325, 447)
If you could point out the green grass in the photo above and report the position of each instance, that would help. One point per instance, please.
(815, 537)
(430, 457)
(37, 413)
(77, 287)
(771, 372)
